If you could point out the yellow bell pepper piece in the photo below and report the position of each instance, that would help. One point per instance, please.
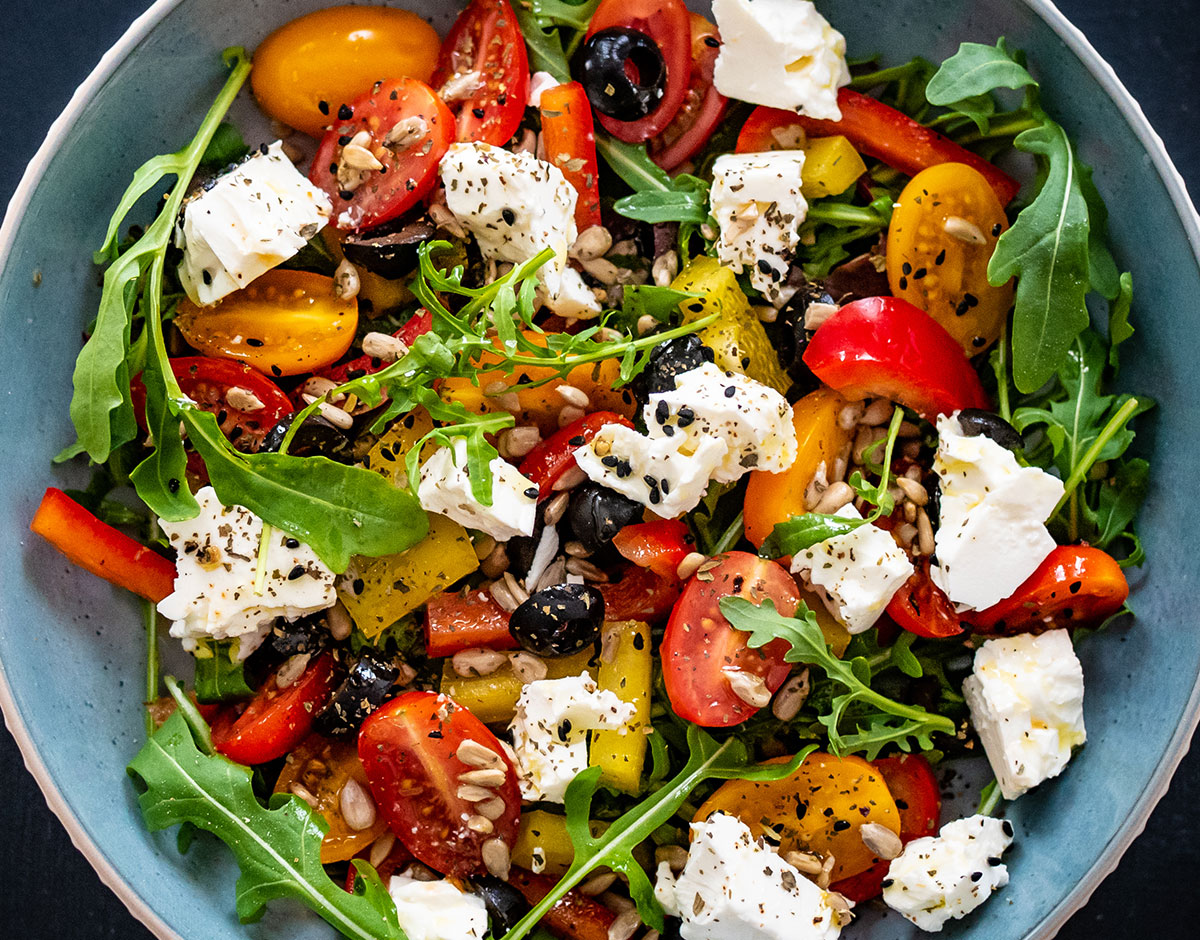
(837, 637)
(622, 754)
(738, 340)
(493, 697)
(379, 591)
(831, 166)
(543, 844)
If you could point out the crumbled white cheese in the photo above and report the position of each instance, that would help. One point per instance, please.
(246, 222)
(855, 574)
(666, 474)
(445, 488)
(991, 536)
(437, 910)
(781, 53)
(216, 568)
(540, 82)
(937, 878)
(553, 717)
(753, 419)
(756, 200)
(1026, 700)
(735, 888)
(516, 205)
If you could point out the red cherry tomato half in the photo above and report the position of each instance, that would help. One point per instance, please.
(703, 106)
(659, 545)
(701, 648)
(639, 594)
(914, 787)
(569, 139)
(409, 166)
(885, 347)
(575, 917)
(554, 456)
(486, 42)
(666, 22)
(409, 748)
(455, 621)
(420, 322)
(276, 720)
(921, 607)
(1074, 585)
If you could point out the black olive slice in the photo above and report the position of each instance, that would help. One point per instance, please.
(976, 421)
(623, 73)
(559, 620)
(360, 693)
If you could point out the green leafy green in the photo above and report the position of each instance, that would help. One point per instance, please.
(639, 300)
(227, 146)
(974, 72)
(685, 201)
(718, 522)
(632, 164)
(884, 721)
(1119, 327)
(613, 849)
(545, 24)
(219, 677)
(836, 222)
(278, 849)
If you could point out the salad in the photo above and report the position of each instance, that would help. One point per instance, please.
(604, 465)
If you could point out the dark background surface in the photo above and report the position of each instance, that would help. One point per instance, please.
(47, 47)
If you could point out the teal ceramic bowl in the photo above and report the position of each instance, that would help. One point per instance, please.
(66, 637)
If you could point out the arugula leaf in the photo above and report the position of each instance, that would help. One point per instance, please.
(974, 72)
(834, 223)
(159, 479)
(632, 164)
(1117, 503)
(1119, 327)
(639, 300)
(219, 677)
(278, 849)
(540, 22)
(707, 760)
(885, 721)
(686, 201)
(226, 146)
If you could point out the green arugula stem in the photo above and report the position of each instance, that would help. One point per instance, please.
(840, 213)
(1010, 128)
(150, 613)
(1079, 474)
(989, 799)
(882, 77)
(1002, 375)
(201, 733)
(611, 351)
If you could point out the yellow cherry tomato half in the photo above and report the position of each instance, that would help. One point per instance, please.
(284, 323)
(308, 68)
(941, 237)
(821, 808)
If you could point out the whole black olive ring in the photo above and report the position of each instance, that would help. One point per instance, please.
(623, 73)
(559, 620)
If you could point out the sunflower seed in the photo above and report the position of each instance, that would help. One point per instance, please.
(816, 314)
(913, 490)
(834, 498)
(573, 396)
(474, 754)
(674, 855)
(924, 532)
(483, 777)
(480, 824)
(575, 549)
(823, 878)
(521, 440)
(358, 809)
(585, 569)
(750, 688)
(665, 267)
(593, 242)
(474, 794)
(849, 415)
(957, 227)
(690, 565)
(790, 699)
(516, 588)
(569, 415)
(477, 662)
(304, 793)
(243, 399)
(461, 87)
(625, 926)
(491, 809)
(804, 862)
(527, 667)
(880, 840)
(337, 618)
(597, 884)
(556, 509)
(496, 563)
(646, 323)
(384, 346)
(496, 858)
(291, 670)
(878, 412)
(381, 848)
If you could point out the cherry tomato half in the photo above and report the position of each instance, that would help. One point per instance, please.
(309, 67)
(283, 323)
(455, 621)
(410, 129)
(1074, 585)
(703, 106)
(884, 347)
(921, 607)
(701, 650)
(659, 545)
(549, 460)
(419, 323)
(639, 594)
(409, 748)
(569, 139)
(276, 720)
(667, 23)
(485, 48)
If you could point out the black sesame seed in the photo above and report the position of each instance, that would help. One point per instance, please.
(532, 492)
(173, 485)
(206, 276)
(886, 883)
(662, 412)
(345, 194)
(997, 229)
(979, 342)
(323, 107)
(295, 572)
(333, 168)
(712, 42)
(685, 416)
(976, 875)
(609, 461)
(906, 268)
(222, 416)
(343, 140)
(970, 300)
(501, 99)
(577, 441)
(639, 641)
(1075, 586)
(509, 216)
(764, 266)
(904, 283)
(1007, 827)
(655, 498)
(841, 825)
(359, 585)
(730, 391)
(251, 341)
(993, 860)
(345, 112)
(901, 804)
(941, 258)
(292, 543)
(650, 481)
(478, 112)
(919, 273)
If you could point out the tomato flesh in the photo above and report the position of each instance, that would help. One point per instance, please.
(569, 140)
(456, 621)
(420, 322)
(667, 23)
(702, 108)
(921, 607)
(885, 347)
(639, 594)
(276, 720)
(659, 545)
(554, 456)
(486, 41)
(574, 917)
(409, 748)
(701, 648)
(425, 126)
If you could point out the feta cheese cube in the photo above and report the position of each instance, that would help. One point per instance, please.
(216, 568)
(667, 474)
(437, 910)
(855, 574)
(246, 222)
(946, 876)
(781, 53)
(550, 727)
(445, 489)
(753, 419)
(735, 888)
(516, 205)
(1026, 701)
(992, 534)
(756, 200)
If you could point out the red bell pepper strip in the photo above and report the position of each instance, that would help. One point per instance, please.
(880, 132)
(554, 456)
(456, 622)
(570, 141)
(659, 545)
(886, 347)
(99, 548)
(575, 917)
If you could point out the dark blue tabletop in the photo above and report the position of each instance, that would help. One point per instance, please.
(50, 891)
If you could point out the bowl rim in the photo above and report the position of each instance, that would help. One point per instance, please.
(1096, 65)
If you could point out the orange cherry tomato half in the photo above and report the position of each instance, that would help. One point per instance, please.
(323, 768)
(408, 127)
(1074, 585)
(485, 44)
(410, 749)
(701, 651)
(311, 66)
(283, 323)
